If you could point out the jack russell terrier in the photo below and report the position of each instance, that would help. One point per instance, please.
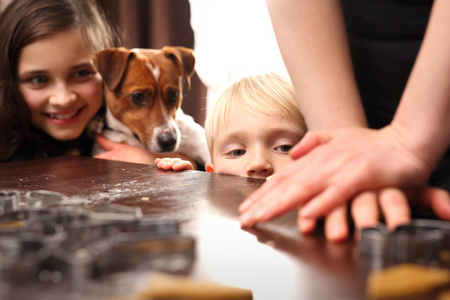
(143, 92)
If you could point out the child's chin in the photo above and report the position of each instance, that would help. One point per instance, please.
(66, 135)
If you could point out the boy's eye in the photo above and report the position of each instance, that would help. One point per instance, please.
(284, 148)
(237, 153)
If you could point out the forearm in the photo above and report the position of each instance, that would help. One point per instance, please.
(423, 116)
(312, 39)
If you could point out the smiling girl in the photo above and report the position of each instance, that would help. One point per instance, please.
(49, 89)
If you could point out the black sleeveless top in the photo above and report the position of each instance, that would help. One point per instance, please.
(384, 39)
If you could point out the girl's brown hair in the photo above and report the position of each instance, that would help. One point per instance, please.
(24, 22)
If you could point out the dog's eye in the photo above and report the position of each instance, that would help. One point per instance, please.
(139, 99)
(172, 96)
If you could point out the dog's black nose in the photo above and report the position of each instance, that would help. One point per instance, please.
(167, 142)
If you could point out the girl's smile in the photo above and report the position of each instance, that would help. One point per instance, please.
(65, 118)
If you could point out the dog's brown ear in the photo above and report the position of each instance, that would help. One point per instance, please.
(111, 64)
(184, 59)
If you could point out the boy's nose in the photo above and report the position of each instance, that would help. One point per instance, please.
(62, 95)
(259, 167)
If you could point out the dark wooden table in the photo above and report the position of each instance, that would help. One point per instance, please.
(272, 260)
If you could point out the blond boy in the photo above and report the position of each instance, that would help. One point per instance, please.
(250, 129)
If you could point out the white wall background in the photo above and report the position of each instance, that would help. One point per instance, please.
(233, 38)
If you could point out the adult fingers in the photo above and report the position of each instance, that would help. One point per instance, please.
(329, 175)
(336, 193)
(438, 199)
(336, 226)
(365, 211)
(395, 207)
(300, 183)
(276, 196)
(311, 140)
(284, 178)
(305, 226)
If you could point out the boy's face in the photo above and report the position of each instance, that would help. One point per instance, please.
(58, 81)
(253, 145)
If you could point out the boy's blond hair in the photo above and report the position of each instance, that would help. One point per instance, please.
(269, 94)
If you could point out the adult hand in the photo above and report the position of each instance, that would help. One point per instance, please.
(332, 167)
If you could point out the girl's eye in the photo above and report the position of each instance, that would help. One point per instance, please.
(284, 148)
(237, 153)
(82, 74)
(38, 80)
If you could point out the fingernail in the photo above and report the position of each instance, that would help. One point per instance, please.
(259, 213)
(306, 211)
(244, 205)
(246, 220)
(337, 234)
(306, 226)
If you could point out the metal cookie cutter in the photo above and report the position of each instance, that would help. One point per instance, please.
(115, 212)
(84, 252)
(9, 201)
(90, 249)
(374, 241)
(148, 226)
(23, 257)
(154, 243)
(43, 198)
(18, 221)
(174, 253)
(49, 199)
(422, 241)
(70, 241)
(18, 263)
(80, 263)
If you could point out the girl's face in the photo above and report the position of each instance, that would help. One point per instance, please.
(60, 85)
(253, 145)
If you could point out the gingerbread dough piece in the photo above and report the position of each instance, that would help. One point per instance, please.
(405, 279)
(163, 286)
(445, 295)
